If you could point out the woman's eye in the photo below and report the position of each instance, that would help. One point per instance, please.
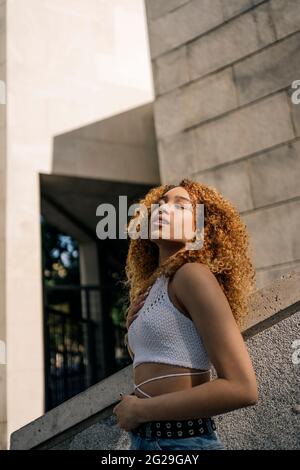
(181, 206)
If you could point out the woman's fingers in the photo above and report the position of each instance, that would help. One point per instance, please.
(139, 302)
(136, 307)
(134, 313)
(142, 296)
(132, 318)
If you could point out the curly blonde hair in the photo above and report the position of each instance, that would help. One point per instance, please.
(225, 250)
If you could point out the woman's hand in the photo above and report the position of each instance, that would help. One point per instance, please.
(127, 412)
(135, 307)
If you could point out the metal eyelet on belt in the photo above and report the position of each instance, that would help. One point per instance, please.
(188, 428)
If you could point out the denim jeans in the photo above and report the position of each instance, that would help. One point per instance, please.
(209, 441)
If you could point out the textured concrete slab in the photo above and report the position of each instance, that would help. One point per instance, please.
(86, 421)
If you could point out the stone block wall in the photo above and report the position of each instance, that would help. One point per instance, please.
(222, 73)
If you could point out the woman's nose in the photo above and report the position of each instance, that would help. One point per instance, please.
(165, 208)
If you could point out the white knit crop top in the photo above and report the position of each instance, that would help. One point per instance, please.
(161, 333)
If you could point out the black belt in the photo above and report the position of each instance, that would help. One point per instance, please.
(176, 428)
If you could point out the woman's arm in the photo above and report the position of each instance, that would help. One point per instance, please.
(199, 291)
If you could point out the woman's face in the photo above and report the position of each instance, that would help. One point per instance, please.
(172, 218)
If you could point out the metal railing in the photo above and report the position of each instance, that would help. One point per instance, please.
(70, 340)
(82, 343)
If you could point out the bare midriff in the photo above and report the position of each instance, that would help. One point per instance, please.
(149, 370)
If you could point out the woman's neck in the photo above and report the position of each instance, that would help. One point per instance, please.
(168, 250)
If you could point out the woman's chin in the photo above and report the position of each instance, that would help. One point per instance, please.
(160, 237)
(160, 233)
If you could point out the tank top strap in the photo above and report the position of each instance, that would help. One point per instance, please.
(170, 375)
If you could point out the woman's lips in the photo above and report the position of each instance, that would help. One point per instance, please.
(160, 221)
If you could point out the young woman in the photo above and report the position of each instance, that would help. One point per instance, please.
(187, 308)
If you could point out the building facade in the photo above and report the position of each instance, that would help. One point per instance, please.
(82, 124)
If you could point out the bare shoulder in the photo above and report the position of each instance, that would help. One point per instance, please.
(198, 289)
(192, 274)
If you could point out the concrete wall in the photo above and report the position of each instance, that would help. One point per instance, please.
(69, 64)
(272, 423)
(223, 112)
(3, 416)
(86, 421)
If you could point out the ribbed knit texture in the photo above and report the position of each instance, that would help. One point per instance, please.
(161, 333)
